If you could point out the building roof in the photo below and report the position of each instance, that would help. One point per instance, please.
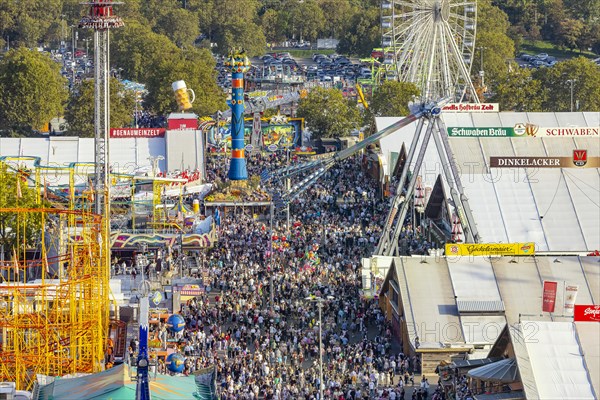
(430, 308)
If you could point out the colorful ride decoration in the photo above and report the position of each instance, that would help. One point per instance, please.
(238, 64)
(175, 323)
(175, 363)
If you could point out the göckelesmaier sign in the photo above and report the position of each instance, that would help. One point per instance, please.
(488, 249)
(523, 130)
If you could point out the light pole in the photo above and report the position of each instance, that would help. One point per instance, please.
(319, 301)
(271, 300)
(481, 73)
(572, 83)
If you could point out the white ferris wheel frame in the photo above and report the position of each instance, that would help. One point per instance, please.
(431, 43)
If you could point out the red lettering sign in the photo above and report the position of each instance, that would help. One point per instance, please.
(136, 133)
(549, 296)
(588, 313)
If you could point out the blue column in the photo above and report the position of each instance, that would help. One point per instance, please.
(237, 168)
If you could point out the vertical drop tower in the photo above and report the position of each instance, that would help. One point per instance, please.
(238, 64)
(101, 19)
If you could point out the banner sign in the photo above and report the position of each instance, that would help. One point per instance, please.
(465, 107)
(137, 133)
(488, 249)
(579, 159)
(522, 130)
(570, 296)
(549, 296)
(587, 313)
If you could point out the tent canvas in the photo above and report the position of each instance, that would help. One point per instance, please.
(504, 371)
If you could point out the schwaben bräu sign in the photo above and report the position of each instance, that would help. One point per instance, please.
(523, 130)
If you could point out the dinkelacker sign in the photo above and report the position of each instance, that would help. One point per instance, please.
(579, 159)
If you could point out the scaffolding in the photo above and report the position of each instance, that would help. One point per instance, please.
(54, 295)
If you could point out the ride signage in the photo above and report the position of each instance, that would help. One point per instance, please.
(116, 133)
(587, 313)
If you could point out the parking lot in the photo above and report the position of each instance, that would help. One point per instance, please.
(319, 68)
(541, 60)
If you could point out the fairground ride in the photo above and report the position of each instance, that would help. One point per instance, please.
(432, 44)
(54, 295)
(70, 187)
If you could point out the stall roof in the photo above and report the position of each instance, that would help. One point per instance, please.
(474, 363)
(504, 371)
(519, 395)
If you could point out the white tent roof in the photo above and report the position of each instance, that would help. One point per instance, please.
(588, 334)
(557, 362)
(557, 208)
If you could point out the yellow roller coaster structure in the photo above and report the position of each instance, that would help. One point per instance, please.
(54, 295)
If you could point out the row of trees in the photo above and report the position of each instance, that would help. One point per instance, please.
(571, 24)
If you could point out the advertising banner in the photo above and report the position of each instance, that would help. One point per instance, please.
(587, 313)
(488, 249)
(579, 159)
(549, 296)
(570, 296)
(465, 107)
(136, 132)
(523, 130)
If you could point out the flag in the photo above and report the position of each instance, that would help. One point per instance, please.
(19, 193)
(570, 296)
(218, 217)
(549, 296)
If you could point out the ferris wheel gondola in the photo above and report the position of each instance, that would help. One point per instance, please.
(431, 43)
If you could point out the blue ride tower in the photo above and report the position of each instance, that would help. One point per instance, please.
(238, 64)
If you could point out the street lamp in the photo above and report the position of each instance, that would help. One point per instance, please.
(572, 83)
(481, 49)
(319, 301)
(154, 163)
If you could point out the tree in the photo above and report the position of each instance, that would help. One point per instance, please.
(135, 48)
(14, 192)
(234, 26)
(363, 33)
(492, 38)
(327, 113)
(569, 32)
(307, 20)
(80, 110)
(339, 14)
(557, 90)
(274, 25)
(197, 68)
(179, 25)
(391, 99)
(32, 91)
(519, 91)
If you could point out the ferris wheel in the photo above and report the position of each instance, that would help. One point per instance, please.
(431, 43)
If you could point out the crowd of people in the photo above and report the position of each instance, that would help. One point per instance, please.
(259, 322)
